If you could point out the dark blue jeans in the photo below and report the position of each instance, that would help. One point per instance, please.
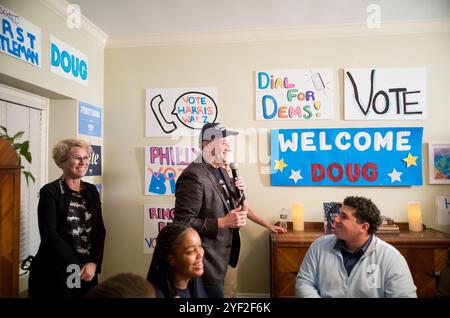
(214, 291)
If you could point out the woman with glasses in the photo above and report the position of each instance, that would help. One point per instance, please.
(71, 228)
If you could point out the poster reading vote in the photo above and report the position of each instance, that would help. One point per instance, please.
(346, 157)
(298, 94)
(156, 217)
(19, 38)
(89, 120)
(179, 111)
(385, 93)
(95, 165)
(163, 166)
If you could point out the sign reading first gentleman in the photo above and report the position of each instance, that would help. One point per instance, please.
(19, 38)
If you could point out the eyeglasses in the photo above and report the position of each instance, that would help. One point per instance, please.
(80, 159)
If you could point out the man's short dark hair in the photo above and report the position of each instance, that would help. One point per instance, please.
(366, 211)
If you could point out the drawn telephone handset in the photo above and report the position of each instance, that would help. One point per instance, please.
(166, 126)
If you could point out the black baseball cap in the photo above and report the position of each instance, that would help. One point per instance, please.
(211, 131)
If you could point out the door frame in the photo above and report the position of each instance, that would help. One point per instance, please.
(20, 97)
(23, 98)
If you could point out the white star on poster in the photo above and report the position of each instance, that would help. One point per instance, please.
(295, 175)
(395, 175)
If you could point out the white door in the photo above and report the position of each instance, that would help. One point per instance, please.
(20, 111)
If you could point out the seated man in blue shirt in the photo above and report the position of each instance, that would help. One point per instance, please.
(353, 262)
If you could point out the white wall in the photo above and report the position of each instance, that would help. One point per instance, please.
(230, 67)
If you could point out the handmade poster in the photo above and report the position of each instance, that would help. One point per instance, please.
(179, 111)
(385, 156)
(68, 62)
(443, 210)
(156, 217)
(385, 93)
(19, 38)
(294, 94)
(163, 166)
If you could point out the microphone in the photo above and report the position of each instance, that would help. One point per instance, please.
(239, 194)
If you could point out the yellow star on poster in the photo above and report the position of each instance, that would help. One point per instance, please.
(410, 160)
(280, 165)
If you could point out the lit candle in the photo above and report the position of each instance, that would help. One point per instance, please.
(414, 217)
(297, 217)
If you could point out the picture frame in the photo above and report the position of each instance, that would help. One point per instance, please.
(439, 162)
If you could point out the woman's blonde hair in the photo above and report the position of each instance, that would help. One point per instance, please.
(61, 150)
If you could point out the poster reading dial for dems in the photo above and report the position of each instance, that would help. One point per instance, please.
(179, 111)
(163, 166)
(19, 38)
(387, 156)
(385, 93)
(297, 94)
(156, 217)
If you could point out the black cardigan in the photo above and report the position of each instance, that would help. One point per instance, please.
(56, 245)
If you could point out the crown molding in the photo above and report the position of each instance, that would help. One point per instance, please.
(279, 34)
(60, 6)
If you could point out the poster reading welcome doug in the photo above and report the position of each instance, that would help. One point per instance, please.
(390, 156)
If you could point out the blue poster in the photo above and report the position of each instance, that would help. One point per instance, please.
(89, 120)
(385, 156)
(99, 188)
(95, 166)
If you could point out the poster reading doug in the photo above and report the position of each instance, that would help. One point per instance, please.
(346, 156)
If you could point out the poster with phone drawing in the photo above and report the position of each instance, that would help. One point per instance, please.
(294, 94)
(179, 111)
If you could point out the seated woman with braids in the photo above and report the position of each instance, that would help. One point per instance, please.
(177, 263)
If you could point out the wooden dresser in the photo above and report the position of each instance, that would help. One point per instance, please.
(9, 220)
(425, 252)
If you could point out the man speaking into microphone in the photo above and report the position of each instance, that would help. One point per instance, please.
(205, 198)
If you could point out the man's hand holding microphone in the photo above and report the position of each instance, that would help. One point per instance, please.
(237, 217)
